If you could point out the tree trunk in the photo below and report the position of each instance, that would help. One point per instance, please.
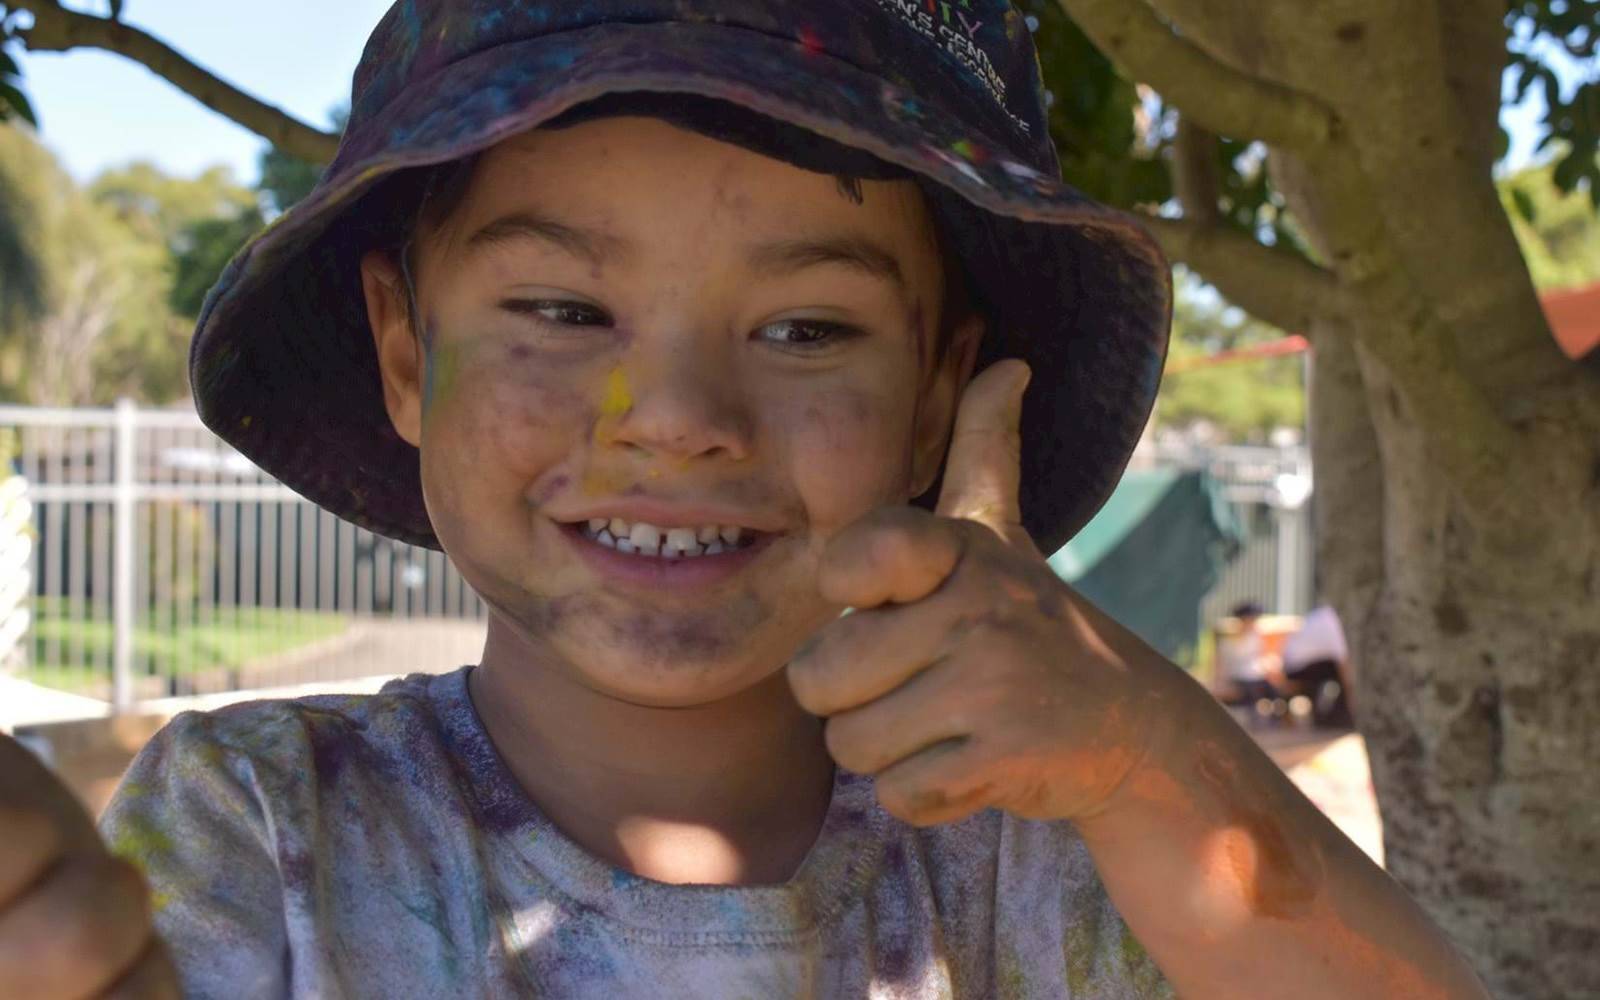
(1479, 693)
(1474, 619)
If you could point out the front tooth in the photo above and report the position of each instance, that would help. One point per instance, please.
(732, 534)
(604, 538)
(646, 538)
(708, 534)
(715, 548)
(620, 528)
(597, 525)
(682, 539)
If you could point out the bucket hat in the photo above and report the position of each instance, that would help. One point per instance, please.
(947, 92)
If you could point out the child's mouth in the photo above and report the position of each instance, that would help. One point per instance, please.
(679, 558)
(643, 539)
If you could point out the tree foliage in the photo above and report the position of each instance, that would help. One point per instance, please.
(285, 178)
(1241, 401)
(1559, 233)
(123, 266)
(1572, 124)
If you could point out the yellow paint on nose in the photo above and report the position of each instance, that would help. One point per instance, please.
(614, 405)
(618, 399)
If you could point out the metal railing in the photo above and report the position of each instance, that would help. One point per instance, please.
(166, 563)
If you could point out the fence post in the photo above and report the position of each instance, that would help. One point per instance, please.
(122, 593)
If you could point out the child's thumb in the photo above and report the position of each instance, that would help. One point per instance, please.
(984, 470)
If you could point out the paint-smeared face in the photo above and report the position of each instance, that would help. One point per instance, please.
(624, 320)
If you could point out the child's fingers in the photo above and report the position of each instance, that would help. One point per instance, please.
(77, 931)
(984, 470)
(941, 784)
(29, 793)
(865, 656)
(893, 555)
(928, 710)
(33, 842)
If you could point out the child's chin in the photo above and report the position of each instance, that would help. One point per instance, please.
(654, 684)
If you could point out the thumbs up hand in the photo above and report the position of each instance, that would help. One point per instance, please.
(970, 676)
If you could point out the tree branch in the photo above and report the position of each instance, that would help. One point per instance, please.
(1226, 101)
(1196, 174)
(57, 29)
(1276, 285)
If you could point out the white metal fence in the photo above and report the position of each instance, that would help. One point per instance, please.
(166, 563)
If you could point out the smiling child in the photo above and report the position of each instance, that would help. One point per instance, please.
(683, 328)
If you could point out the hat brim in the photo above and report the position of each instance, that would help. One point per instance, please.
(283, 365)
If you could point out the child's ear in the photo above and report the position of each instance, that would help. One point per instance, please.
(941, 399)
(400, 360)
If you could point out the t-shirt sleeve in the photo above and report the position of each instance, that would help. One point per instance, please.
(189, 815)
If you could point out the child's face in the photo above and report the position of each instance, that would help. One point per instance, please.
(624, 319)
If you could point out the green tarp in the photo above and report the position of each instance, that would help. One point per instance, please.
(1152, 553)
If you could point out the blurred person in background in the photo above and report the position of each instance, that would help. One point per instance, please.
(1245, 667)
(1316, 663)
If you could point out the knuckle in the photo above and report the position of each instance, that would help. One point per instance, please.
(890, 545)
(915, 805)
(842, 736)
(811, 683)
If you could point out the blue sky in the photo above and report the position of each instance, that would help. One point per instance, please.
(98, 110)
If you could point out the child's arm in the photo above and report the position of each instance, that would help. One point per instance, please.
(1238, 886)
(971, 677)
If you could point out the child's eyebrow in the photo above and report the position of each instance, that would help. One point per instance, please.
(857, 252)
(776, 258)
(524, 224)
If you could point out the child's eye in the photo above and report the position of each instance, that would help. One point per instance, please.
(560, 312)
(806, 334)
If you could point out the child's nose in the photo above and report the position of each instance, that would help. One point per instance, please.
(682, 408)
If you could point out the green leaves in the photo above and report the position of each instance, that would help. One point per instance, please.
(1096, 116)
(1546, 34)
(13, 102)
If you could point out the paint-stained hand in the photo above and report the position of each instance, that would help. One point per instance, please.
(970, 676)
(74, 921)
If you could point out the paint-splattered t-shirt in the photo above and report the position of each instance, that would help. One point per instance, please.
(377, 847)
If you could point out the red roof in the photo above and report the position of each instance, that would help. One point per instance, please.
(1574, 317)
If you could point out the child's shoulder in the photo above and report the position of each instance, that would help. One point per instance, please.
(316, 733)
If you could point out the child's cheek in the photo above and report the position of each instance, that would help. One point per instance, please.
(506, 412)
(848, 452)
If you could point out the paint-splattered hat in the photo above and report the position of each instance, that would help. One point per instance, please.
(945, 91)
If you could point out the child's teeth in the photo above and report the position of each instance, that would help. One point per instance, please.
(667, 543)
(646, 538)
(683, 540)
